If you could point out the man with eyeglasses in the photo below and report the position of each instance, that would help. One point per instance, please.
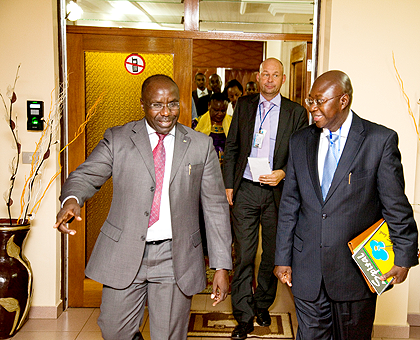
(344, 174)
(261, 126)
(149, 248)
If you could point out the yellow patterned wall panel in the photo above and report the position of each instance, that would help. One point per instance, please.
(105, 72)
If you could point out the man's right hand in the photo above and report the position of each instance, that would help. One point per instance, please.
(70, 209)
(229, 196)
(284, 274)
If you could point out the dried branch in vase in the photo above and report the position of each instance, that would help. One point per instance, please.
(49, 137)
(407, 99)
(32, 192)
(91, 112)
(14, 166)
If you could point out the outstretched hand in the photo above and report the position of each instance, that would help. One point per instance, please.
(69, 211)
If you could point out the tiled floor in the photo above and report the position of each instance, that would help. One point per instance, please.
(80, 323)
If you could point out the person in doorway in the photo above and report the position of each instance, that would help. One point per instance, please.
(233, 91)
(215, 83)
(201, 91)
(215, 123)
(344, 173)
(261, 127)
(251, 88)
(149, 249)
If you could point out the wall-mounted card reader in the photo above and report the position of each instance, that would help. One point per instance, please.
(35, 112)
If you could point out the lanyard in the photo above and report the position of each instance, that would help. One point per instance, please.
(265, 116)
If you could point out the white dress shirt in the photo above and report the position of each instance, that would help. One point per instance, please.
(202, 93)
(324, 140)
(162, 229)
(274, 116)
(230, 109)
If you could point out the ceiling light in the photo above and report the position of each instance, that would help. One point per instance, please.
(74, 11)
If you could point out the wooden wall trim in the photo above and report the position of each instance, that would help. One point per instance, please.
(189, 34)
(191, 15)
(76, 109)
(183, 76)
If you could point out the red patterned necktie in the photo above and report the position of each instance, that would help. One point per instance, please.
(159, 160)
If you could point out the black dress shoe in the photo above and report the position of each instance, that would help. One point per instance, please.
(138, 336)
(242, 329)
(263, 317)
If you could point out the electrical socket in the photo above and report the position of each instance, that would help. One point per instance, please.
(27, 157)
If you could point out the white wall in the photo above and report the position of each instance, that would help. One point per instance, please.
(28, 37)
(360, 41)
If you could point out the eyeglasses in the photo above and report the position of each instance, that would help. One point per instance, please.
(172, 106)
(319, 102)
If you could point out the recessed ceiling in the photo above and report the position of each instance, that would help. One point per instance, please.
(256, 16)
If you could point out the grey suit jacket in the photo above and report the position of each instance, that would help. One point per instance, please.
(239, 141)
(312, 235)
(126, 155)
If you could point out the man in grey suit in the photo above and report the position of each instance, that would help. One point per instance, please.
(149, 248)
(325, 205)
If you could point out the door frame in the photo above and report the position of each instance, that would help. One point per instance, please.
(301, 53)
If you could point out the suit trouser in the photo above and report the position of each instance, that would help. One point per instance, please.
(122, 309)
(254, 204)
(325, 319)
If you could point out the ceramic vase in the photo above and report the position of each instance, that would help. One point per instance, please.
(15, 278)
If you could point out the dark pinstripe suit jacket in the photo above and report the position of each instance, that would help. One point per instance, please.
(312, 234)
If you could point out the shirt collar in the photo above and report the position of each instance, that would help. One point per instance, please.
(345, 128)
(276, 100)
(151, 131)
(199, 92)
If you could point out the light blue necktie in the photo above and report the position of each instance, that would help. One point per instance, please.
(330, 164)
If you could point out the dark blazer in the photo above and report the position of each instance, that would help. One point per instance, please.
(312, 235)
(195, 97)
(239, 140)
(126, 155)
(202, 105)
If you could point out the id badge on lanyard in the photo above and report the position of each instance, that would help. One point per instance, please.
(260, 135)
(259, 138)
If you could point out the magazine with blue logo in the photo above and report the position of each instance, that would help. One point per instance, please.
(375, 257)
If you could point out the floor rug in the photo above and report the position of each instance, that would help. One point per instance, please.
(221, 325)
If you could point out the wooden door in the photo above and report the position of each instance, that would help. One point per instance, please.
(300, 76)
(87, 46)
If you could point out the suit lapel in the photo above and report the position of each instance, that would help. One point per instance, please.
(253, 108)
(284, 116)
(312, 157)
(182, 142)
(141, 140)
(354, 141)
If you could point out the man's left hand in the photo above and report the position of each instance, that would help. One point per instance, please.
(399, 274)
(272, 179)
(220, 286)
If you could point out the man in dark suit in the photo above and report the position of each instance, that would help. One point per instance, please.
(201, 91)
(149, 248)
(261, 127)
(319, 216)
(215, 83)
